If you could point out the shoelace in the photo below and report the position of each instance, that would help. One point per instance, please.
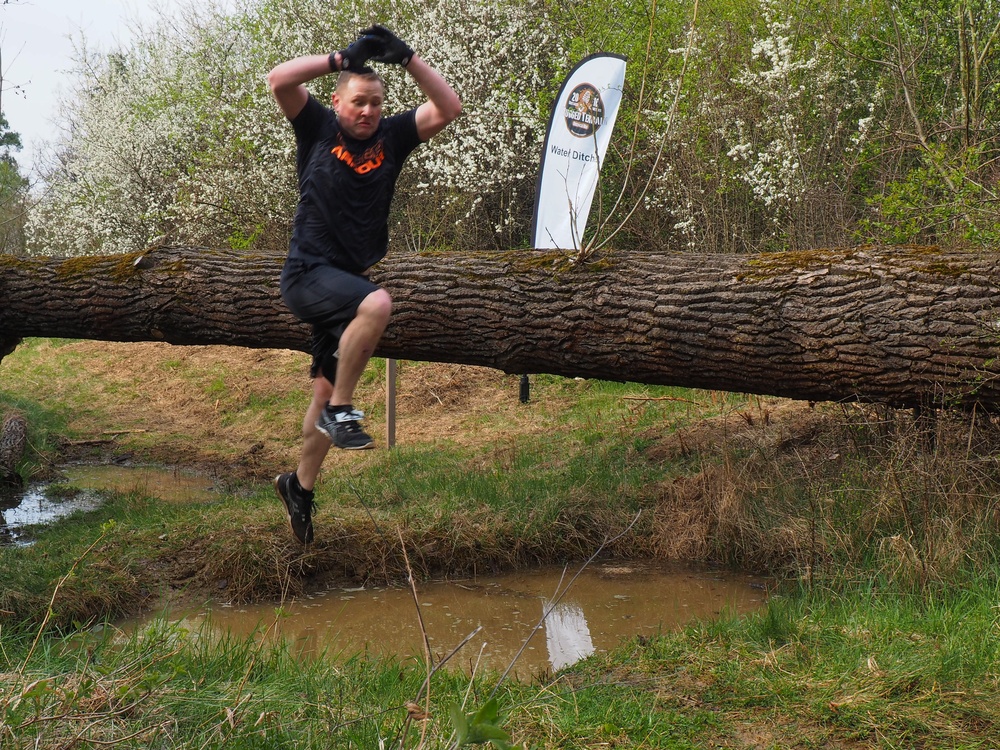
(303, 506)
(305, 510)
(349, 417)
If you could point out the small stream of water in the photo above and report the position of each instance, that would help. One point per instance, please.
(559, 622)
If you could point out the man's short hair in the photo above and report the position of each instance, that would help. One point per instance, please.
(368, 74)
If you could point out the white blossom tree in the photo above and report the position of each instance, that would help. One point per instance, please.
(177, 138)
(746, 125)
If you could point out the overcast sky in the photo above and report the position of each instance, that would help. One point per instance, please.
(36, 41)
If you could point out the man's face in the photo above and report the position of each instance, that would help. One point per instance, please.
(358, 103)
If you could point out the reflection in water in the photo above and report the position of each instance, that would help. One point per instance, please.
(607, 603)
(35, 505)
(567, 636)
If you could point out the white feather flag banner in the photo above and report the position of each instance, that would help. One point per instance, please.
(575, 145)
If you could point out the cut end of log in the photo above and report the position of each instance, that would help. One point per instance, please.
(13, 438)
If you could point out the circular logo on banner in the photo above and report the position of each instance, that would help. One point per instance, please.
(584, 111)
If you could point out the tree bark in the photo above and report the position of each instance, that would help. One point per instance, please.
(903, 326)
(13, 437)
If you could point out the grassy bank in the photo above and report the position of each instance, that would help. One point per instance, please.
(881, 530)
(832, 669)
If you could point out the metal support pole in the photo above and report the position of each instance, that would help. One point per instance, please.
(390, 402)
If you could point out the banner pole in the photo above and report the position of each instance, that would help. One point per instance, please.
(390, 402)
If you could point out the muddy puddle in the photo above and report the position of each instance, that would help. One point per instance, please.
(606, 603)
(80, 489)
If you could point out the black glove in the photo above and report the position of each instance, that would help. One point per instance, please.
(394, 50)
(366, 47)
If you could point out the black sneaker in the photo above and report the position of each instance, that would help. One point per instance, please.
(343, 429)
(299, 506)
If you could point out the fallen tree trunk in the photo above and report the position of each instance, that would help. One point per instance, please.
(903, 326)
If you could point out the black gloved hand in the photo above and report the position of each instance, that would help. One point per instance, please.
(366, 47)
(394, 50)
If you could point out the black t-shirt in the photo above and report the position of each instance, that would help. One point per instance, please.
(346, 186)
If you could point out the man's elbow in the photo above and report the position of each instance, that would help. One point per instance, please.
(274, 81)
(279, 81)
(452, 110)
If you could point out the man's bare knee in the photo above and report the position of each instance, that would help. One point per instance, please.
(322, 389)
(377, 307)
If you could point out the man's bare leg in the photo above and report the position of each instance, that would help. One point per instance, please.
(296, 488)
(358, 342)
(342, 422)
(315, 445)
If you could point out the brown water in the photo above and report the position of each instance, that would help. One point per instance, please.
(169, 484)
(538, 620)
(607, 602)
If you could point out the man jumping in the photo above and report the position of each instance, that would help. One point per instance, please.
(348, 159)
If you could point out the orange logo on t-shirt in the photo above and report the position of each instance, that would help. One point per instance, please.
(371, 159)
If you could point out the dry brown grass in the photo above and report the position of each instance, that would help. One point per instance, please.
(196, 404)
(714, 511)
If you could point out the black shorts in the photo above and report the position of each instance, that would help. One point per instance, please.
(327, 298)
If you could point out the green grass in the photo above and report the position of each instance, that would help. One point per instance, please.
(814, 669)
(530, 475)
(883, 630)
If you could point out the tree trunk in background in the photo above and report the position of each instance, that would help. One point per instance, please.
(897, 325)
